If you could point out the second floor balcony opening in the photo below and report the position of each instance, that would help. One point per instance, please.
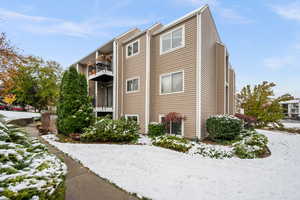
(103, 64)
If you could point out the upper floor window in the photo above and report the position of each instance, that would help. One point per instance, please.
(171, 83)
(132, 85)
(133, 48)
(172, 40)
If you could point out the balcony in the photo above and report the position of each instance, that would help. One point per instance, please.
(103, 109)
(101, 68)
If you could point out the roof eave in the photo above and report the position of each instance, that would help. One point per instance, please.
(181, 19)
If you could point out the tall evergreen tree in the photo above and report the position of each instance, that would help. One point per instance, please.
(74, 107)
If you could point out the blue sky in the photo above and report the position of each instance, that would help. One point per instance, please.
(263, 36)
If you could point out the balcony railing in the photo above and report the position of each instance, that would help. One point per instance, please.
(107, 108)
(101, 67)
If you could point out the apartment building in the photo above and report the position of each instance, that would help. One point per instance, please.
(180, 67)
(291, 109)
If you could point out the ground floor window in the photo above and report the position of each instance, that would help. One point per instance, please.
(134, 117)
(172, 127)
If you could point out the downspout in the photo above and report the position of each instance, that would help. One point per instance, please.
(147, 85)
(122, 84)
(198, 78)
(115, 60)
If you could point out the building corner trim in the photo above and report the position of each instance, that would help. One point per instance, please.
(147, 85)
(115, 82)
(198, 77)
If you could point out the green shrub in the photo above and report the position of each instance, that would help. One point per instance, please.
(213, 152)
(108, 130)
(223, 127)
(252, 146)
(26, 162)
(172, 142)
(156, 129)
(74, 109)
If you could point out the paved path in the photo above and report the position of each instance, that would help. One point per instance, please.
(81, 183)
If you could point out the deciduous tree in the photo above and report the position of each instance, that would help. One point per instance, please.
(260, 102)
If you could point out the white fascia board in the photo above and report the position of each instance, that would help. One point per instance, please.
(181, 19)
(198, 77)
(115, 54)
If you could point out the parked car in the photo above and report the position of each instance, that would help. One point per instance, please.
(3, 106)
(17, 108)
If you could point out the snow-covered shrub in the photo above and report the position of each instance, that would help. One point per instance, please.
(156, 129)
(223, 127)
(172, 142)
(251, 146)
(108, 130)
(213, 151)
(27, 170)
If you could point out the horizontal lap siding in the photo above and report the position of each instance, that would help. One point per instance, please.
(231, 92)
(208, 70)
(135, 66)
(221, 62)
(120, 64)
(180, 59)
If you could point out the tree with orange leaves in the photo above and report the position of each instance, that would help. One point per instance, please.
(9, 62)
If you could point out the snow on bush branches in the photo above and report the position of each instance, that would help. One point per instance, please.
(252, 146)
(27, 170)
(223, 127)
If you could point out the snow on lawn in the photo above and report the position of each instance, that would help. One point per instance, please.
(291, 125)
(12, 115)
(159, 173)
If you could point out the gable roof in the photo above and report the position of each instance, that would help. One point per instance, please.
(181, 19)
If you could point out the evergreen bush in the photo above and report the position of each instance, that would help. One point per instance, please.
(74, 109)
(156, 129)
(108, 130)
(223, 127)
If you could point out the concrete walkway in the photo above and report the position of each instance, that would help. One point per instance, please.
(81, 183)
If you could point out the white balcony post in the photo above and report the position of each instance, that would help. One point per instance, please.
(115, 52)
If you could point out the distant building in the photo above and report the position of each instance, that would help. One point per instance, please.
(291, 109)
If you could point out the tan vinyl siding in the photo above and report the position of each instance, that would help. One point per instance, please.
(220, 57)
(180, 59)
(209, 94)
(120, 66)
(230, 91)
(135, 66)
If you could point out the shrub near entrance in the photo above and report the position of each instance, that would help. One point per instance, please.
(223, 127)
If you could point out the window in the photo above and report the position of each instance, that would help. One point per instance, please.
(133, 48)
(132, 85)
(172, 40)
(134, 117)
(171, 83)
(174, 128)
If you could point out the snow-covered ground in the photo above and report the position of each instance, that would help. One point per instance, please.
(291, 125)
(12, 115)
(159, 173)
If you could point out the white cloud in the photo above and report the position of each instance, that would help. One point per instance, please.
(276, 63)
(288, 11)
(233, 16)
(47, 25)
(200, 2)
(11, 15)
(229, 14)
